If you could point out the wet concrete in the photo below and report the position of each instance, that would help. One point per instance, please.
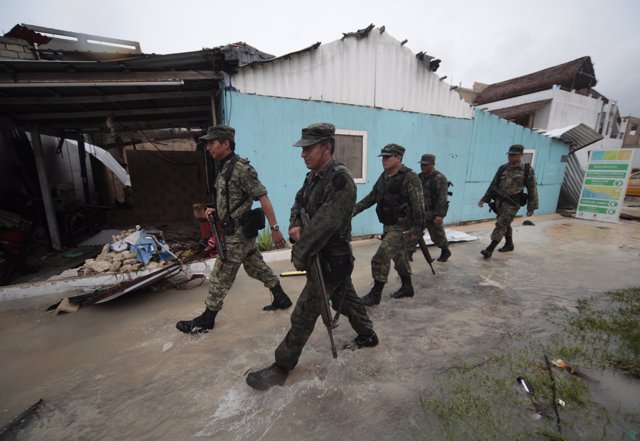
(121, 370)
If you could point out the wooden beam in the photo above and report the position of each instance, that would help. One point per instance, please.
(120, 78)
(108, 113)
(111, 98)
(186, 121)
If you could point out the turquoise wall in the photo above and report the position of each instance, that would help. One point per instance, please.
(468, 151)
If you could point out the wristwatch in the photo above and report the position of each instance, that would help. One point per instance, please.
(276, 227)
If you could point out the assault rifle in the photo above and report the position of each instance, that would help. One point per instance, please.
(325, 307)
(425, 253)
(497, 194)
(216, 229)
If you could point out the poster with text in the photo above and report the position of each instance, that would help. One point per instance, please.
(604, 185)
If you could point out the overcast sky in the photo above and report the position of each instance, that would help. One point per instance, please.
(486, 41)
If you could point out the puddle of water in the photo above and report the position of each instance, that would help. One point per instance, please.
(618, 391)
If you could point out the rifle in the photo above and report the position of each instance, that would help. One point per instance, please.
(425, 253)
(216, 229)
(325, 307)
(497, 194)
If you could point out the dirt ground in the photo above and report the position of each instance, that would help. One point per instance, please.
(121, 370)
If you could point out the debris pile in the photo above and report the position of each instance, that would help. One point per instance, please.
(130, 251)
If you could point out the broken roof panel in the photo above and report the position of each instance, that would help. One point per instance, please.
(576, 74)
(368, 67)
(577, 136)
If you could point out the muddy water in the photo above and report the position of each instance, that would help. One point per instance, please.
(121, 370)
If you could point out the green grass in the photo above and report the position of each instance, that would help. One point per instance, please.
(484, 402)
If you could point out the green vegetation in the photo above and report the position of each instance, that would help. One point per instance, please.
(264, 241)
(485, 402)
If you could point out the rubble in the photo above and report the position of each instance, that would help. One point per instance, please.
(130, 251)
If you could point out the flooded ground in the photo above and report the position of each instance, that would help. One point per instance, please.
(122, 371)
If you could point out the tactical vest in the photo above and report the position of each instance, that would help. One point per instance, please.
(392, 204)
(338, 243)
(523, 196)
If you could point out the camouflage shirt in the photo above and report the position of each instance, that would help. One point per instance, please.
(243, 185)
(511, 181)
(328, 197)
(435, 186)
(411, 189)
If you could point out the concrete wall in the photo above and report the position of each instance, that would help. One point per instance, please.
(568, 108)
(15, 49)
(165, 185)
(468, 151)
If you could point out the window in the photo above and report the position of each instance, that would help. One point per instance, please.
(633, 130)
(528, 156)
(351, 150)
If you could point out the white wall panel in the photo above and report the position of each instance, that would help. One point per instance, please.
(375, 71)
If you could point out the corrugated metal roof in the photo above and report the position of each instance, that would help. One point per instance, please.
(102, 238)
(578, 135)
(372, 69)
(574, 75)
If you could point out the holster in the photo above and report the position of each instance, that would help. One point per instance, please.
(252, 221)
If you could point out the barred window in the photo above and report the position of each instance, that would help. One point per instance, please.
(351, 150)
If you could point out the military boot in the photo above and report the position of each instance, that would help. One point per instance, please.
(406, 290)
(267, 377)
(508, 246)
(444, 254)
(487, 252)
(203, 323)
(280, 299)
(373, 298)
(363, 341)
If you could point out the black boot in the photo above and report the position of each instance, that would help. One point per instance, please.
(406, 290)
(267, 377)
(444, 254)
(489, 250)
(363, 341)
(203, 323)
(280, 299)
(373, 298)
(508, 246)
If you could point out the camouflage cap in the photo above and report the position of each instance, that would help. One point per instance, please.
(220, 133)
(316, 133)
(515, 149)
(392, 150)
(428, 159)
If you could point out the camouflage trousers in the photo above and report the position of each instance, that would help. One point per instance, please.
(305, 315)
(437, 234)
(393, 247)
(223, 274)
(506, 214)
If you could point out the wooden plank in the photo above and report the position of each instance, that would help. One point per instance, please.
(105, 77)
(111, 98)
(108, 113)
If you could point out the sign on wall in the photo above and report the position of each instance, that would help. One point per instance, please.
(604, 185)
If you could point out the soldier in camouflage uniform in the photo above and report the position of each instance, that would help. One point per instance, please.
(328, 195)
(400, 208)
(435, 187)
(507, 190)
(237, 186)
